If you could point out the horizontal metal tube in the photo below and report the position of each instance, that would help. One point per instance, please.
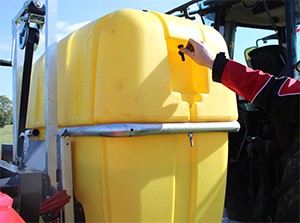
(6, 63)
(139, 129)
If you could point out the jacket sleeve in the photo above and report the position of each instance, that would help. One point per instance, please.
(262, 89)
(244, 81)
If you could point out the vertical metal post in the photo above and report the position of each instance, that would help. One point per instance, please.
(17, 60)
(229, 35)
(51, 88)
(66, 175)
(291, 35)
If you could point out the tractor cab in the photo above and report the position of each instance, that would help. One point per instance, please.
(264, 35)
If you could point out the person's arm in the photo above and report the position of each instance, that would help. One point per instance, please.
(263, 89)
(272, 94)
(241, 79)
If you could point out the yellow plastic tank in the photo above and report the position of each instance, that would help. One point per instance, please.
(157, 178)
(125, 67)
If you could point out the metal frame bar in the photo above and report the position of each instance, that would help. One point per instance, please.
(182, 7)
(17, 59)
(291, 36)
(51, 88)
(64, 161)
(140, 129)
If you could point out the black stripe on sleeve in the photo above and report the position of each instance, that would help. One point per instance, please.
(218, 67)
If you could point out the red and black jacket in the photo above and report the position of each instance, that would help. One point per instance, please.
(278, 97)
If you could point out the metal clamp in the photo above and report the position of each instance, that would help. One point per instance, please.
(32, 15)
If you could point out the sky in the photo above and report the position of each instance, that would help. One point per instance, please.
(71, 15)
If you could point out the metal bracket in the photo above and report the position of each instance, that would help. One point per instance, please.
(30, 19)
(66, 175)
(31, 15)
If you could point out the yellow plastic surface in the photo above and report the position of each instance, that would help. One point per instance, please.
(136, 81)
(125, 67)
(151, 178)
(36, 103)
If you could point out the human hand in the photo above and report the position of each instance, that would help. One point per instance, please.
(199, 52)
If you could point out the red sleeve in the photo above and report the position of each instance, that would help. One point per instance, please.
(277, 96)
(290, 87)
(243, 80)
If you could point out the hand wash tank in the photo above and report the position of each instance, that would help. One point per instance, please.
(124, 69)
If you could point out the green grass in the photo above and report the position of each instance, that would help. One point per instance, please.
(6, 135)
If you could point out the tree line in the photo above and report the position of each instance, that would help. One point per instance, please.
(6, 110)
